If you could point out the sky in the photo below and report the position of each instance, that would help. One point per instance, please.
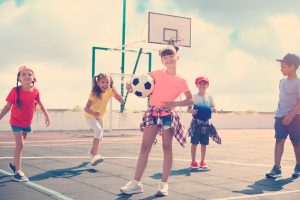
(235, 43)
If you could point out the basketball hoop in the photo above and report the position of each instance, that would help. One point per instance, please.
(169, 29)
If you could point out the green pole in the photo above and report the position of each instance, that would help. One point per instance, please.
(123, 48)
(93, 62)
(133, 73)
(149, 67)
(149, 62)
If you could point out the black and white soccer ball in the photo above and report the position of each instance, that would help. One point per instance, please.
(142, 85)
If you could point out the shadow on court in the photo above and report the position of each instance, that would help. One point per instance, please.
(4, 180)
(264, 185)
(63, 173)
(129, 196)
(181, 172)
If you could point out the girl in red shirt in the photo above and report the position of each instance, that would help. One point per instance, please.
(21, 101)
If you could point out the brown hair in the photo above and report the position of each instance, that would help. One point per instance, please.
(18, 102)
(96, 90)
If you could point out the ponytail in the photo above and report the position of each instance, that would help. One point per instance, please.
(18, 102)
(96, 89)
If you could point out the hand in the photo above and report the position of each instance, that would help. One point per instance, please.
(47, 121)
(129, 87)
(214, 110)
(194, 112)
(287, 120)
(96, 114)
(169, 104)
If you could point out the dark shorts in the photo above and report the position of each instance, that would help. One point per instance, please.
(293, 129)
(166, 121)
(198, 137)
(17, 129)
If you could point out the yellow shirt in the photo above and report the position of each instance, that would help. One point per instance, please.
(99, 104)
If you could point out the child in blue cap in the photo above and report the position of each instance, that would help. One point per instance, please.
(287, 116)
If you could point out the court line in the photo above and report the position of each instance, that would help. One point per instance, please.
(260, 195)
(135, 158)
(39, 187)
(87, 140)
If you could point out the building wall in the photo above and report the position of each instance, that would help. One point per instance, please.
(62, 120)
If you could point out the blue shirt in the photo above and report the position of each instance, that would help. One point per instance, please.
(203, 105)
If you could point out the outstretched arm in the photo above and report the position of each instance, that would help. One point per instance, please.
(117, 96)
(44, 111)
(186, 102)
(5, 109)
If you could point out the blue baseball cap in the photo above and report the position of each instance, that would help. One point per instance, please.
(290, 58)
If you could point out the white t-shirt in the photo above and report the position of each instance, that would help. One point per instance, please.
(206, 100)
(289, 96)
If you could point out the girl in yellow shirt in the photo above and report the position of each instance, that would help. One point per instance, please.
(95, 108)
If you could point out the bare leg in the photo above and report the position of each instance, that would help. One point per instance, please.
(193, 152)
(167, 137)
(147, 142)
(296, 146)
(95, 146)
(279, 148)
(24, 135)
(18, 150)
(203, 152)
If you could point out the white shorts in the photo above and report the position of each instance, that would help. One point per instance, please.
(97, 126)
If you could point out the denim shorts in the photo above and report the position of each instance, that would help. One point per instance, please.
(166, 121)
(17, 129)
(293, 129)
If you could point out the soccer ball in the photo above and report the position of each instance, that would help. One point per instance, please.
(142, 86)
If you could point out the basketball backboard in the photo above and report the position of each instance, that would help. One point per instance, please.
(169, 29)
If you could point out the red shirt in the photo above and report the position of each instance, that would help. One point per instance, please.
(22, 116)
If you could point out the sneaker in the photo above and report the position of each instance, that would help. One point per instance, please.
(163, 188)
(296, 173)
(203, 165)
(194, 165)
(96, 160)
(274, 173)
(90, 154)
(20, 177)
(132, 187)
(12, 167)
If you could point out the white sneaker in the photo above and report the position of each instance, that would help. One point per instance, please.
(132, 187)
(90, 154)
(96, 160)
(163, 188)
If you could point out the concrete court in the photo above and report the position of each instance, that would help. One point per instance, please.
(58, 166)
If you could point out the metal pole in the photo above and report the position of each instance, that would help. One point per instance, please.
(149, 62)
(133, 73)
(149, 67)
(123, 48)
(93, 62)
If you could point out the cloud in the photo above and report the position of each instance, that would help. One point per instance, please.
(10, 12)
(235, 49)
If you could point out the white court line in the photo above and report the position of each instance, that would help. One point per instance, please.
(87, 140)
(135, 158)
(39, 187)
(260, 195)
(47, 141)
